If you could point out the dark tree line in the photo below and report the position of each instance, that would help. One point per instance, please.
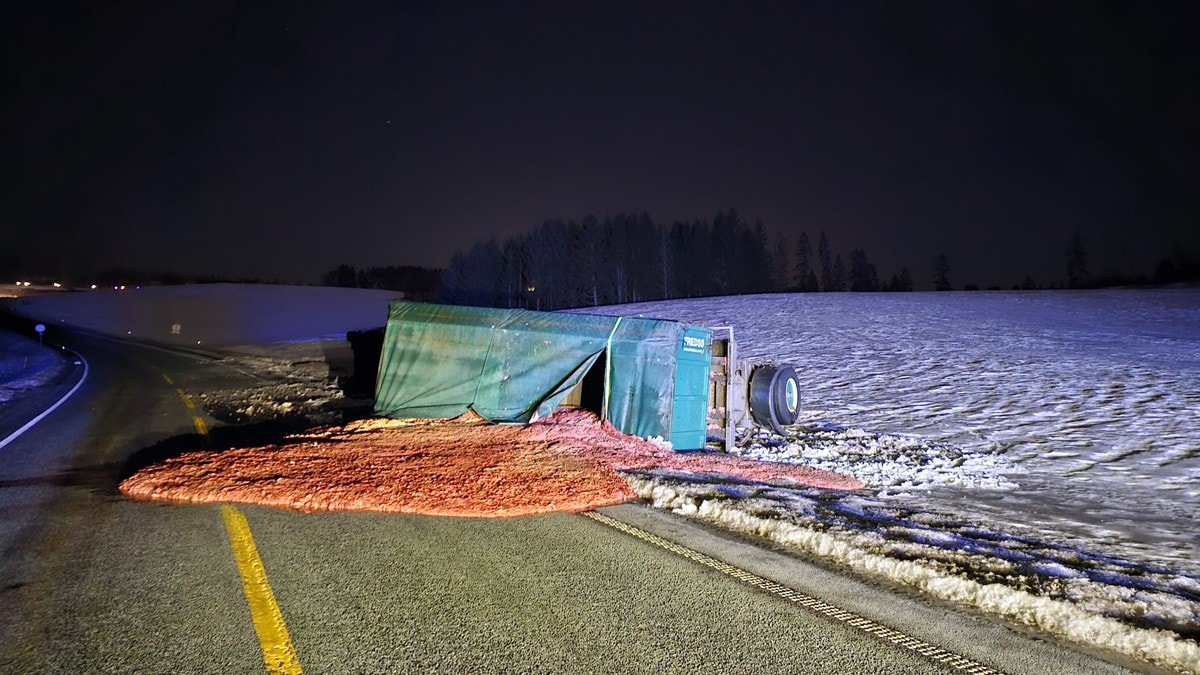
(416, 282)
(1167, 271)
(630, 258)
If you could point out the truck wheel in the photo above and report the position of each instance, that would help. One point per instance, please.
(774, 396)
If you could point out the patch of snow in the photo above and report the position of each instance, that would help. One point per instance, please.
(1100, 609)
(661, 442)
(880, 460)
(24, 365)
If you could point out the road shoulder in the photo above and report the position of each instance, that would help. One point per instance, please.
(1001, 645)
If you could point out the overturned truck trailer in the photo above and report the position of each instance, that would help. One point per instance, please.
(652, 378)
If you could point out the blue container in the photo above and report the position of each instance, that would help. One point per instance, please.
(689, 410)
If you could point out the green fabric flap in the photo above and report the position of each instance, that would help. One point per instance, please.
(439, 361)
(513, 365)
(642, 377)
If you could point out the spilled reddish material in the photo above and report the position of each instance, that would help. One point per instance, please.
(460, 467)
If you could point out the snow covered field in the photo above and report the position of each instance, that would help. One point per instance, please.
(1083, 407)
(1033, 454)
(1036, 455)
(212, 315)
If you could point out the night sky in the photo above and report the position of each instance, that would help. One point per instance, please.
(279, 140)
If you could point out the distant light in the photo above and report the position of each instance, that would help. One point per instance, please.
(57, 285)
(93, 287)
(137, 288)
(115, 288)
(129, 332)
(122, 286)
(25, 283)
(197, 342)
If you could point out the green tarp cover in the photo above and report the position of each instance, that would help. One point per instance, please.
(514, 365)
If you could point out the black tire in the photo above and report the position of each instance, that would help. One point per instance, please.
(774, 396)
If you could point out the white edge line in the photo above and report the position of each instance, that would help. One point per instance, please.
(28, 425)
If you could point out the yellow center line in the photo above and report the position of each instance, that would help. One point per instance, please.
(197, 421)
(187, 400)
(279, 656)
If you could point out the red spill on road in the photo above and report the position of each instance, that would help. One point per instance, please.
(460, 467)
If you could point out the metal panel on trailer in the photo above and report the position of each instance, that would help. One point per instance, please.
(689, 411)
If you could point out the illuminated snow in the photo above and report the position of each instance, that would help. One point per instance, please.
(1034, 455)
(1031, 454)
(24, 365)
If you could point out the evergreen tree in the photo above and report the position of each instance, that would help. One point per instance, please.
(756, 259)
(682, 272)
(806, 278)
(823, 255)
(343, 275)
(941, 274)
(906, 282)
(838, 275)
(783, 268)
(701, 282)
(863, 277)
(722, 243)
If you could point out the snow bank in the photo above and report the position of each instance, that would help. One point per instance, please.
(24, 364)
(1097, 616)
(896, 461)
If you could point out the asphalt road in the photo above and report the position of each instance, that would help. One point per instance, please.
(93, 582)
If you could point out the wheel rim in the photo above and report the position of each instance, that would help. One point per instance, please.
(792, 395)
